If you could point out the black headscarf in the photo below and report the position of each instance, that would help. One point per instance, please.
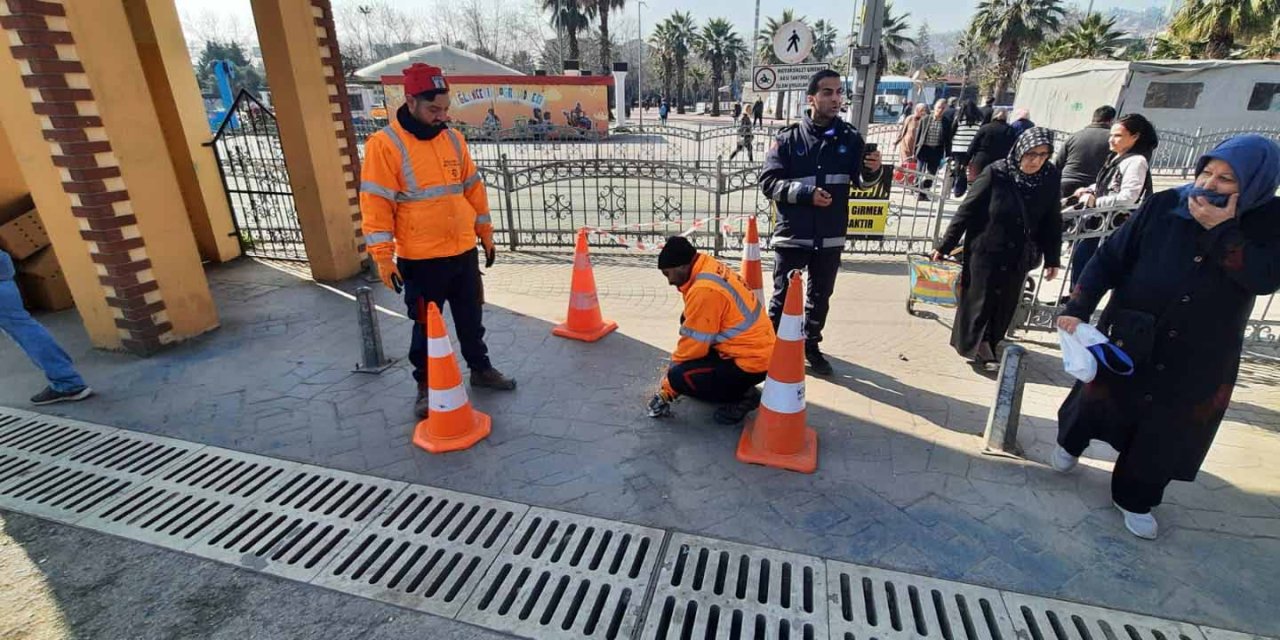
(1030, 139)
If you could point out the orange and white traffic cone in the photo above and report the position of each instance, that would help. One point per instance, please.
(584, 321)
(777, 436)
(751, 273)
(451, 424)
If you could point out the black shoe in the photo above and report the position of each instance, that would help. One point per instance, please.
(51, 396)
(492, 379)
(421, 407)
(731, 414)
(818, 362)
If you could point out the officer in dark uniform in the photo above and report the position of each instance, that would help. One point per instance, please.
(807, 173)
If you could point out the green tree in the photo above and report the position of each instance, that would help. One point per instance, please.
(664, 48)
(1266, 46)
(683, 34)
(894, 41)
(1011, 27)
(969, 56)
(825, 37)
(1220, 24)
(600, 9)
(243, 75)
(899, 68)
(1093, 37)
(764, 45)
(922, 54)
(714, 44)
(737, 57)
(570, 17)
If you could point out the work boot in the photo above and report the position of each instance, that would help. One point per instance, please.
(731, 414)
(492, 379)
(51, 395)
(421, 406)
(817, 362)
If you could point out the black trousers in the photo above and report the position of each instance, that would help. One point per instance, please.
(822, 265)
(455, 280)
(743, 146)
(1131, 491)
(712, 378)
(930, 159)
(757, 119)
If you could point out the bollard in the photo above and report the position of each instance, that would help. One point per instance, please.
(1002, 422)
(372, 358)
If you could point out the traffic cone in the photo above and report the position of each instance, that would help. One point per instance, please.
(751, 273)
(777, 436)
(451, 424)
(584, 321)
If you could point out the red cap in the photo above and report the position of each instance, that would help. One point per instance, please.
(419, 78)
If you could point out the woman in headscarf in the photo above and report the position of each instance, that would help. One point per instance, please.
(1183, 274)
(1010, 222)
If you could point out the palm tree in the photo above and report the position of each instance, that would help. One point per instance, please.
(736, 57)
(968, 57)
(1221, 23)
(571, 17)
(893, 39)
(1093, 37)
(1264, 46)
(713, 45)
(601, 9)
(764, 45)
(663, 42)
(682, 34)
(824, 40)
(1010, 27)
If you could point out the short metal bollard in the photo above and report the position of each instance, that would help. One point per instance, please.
(372, 358)
(1002, 422)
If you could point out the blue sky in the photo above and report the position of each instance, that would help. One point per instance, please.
(941, 14)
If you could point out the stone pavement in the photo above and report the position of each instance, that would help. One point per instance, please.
(900, 483)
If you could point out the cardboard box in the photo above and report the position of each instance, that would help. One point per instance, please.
(23, 235)
(43, 284)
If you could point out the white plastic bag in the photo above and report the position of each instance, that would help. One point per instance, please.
(1077, 360)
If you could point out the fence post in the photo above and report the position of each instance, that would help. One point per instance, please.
(1001, 434)
(1191, 153)
(697, 158)
(372, 359)
(507, 188)
(720, 182)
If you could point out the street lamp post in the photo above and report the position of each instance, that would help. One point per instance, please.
(640, 64)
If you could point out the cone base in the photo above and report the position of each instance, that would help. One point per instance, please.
(804, 461)
(481, 426)
(606, 327)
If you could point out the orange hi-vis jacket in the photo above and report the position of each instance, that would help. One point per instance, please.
(721, 312)
(421, 198)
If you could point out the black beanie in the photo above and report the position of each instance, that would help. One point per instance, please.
(677, 252)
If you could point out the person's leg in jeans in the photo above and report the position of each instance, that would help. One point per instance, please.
(36, 342)
(930, 159)
(468, 313)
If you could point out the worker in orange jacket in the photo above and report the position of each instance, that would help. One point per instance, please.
(726, 338)
(423, 207)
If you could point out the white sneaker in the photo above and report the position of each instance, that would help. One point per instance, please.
(1142, 525)
(1061, 460)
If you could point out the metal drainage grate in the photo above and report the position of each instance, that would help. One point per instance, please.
(28, 439)
(199, 492)
(714, 589)
(427, 551)
(567, 576)
(1036, 618)
(1211, 633)
(295, 529)
(873, 604)
(72, 485)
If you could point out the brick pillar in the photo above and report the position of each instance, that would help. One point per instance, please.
(299, 49)
(78, 114)
(346, 131)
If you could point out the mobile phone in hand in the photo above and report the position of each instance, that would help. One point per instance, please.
(870, 148)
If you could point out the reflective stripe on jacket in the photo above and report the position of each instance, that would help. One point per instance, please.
(421, 198)
(721, 312)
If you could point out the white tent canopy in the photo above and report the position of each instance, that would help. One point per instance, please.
(452, 60)
(1181, 95)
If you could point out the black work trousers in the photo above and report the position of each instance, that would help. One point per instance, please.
(822, 265)
(712, 378)
(1129, 490)
(455, 280)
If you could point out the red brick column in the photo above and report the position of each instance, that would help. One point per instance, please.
(327, 39)
(62, 99)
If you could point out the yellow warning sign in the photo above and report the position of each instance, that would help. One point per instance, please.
(869, 206)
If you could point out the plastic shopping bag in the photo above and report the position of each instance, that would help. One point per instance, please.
(1083, 350)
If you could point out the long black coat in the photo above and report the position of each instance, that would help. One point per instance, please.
(1181, 297)
(999, 224)
(992, 142)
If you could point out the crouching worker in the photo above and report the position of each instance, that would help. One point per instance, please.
(726, 338)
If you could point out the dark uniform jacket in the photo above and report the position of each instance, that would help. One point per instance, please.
(803, 158)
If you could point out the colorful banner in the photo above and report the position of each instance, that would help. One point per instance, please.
(869, 207)
(495, 103)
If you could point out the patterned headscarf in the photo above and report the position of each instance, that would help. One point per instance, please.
(1030, 139)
